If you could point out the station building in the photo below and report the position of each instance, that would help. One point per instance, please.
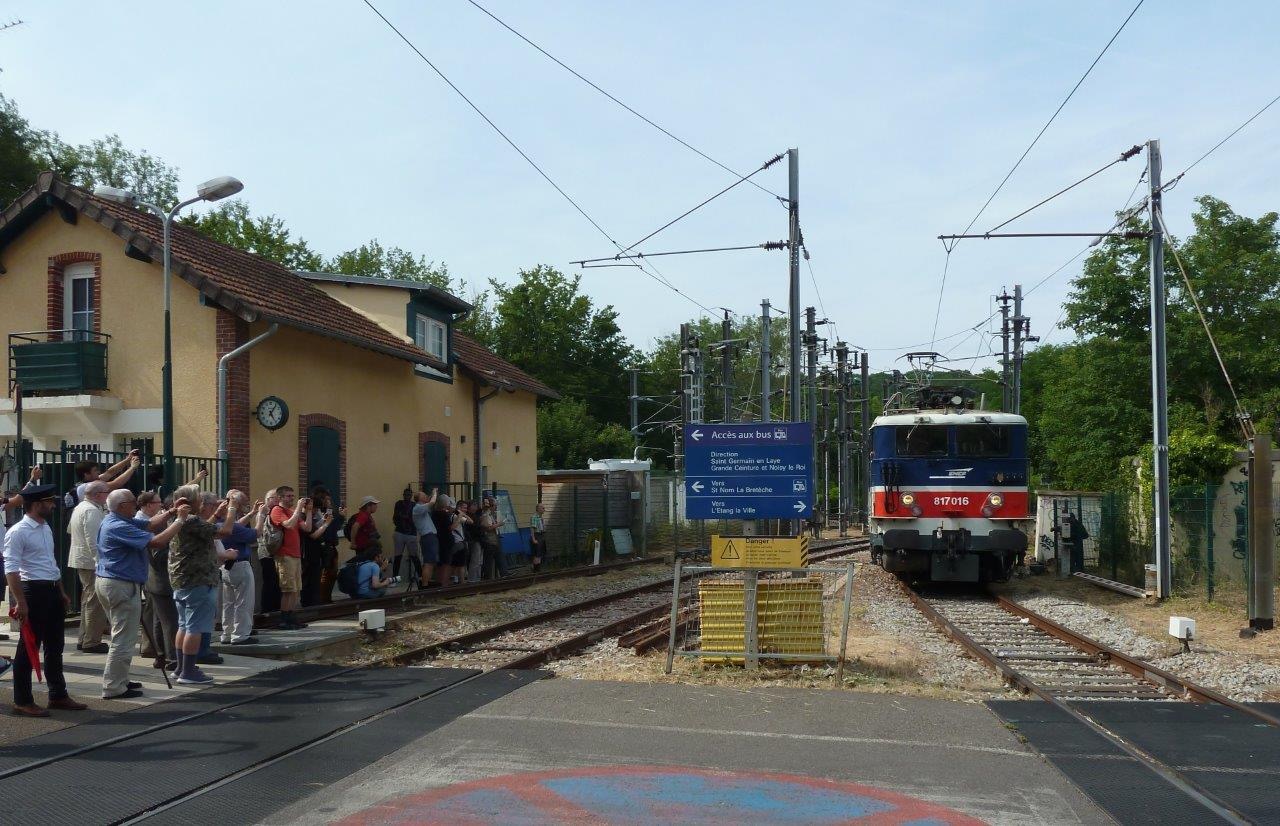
(363, 385)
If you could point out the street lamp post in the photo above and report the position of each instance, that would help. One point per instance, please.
(214, 189)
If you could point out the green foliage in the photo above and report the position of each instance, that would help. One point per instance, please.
(231, 223)
(373, 259)
(569, 436)
(1196, 457)
(106, 161)
(547, 327)
(18, 166)
(1089, 403)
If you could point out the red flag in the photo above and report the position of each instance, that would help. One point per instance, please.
(29, 640)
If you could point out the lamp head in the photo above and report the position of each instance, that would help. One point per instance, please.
(215, 189)
(116, 194)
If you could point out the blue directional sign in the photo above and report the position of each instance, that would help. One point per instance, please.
(748, 471)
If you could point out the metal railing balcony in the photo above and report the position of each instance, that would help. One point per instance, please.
(58, 361)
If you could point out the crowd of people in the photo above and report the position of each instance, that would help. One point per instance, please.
(164, 570)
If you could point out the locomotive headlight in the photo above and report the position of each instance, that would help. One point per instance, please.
(996, 500)
(908, 499)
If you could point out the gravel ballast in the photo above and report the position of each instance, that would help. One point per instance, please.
(1237, 676)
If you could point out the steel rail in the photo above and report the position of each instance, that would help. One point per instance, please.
(1166, 772)
(1169, 681)
(491, 631)
(348, 607)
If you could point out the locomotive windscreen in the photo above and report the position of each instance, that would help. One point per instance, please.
(982, 440)
(921, 440)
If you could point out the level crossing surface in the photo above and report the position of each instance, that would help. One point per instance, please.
(313, 744)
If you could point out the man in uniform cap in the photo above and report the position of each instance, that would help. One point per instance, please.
(31, 570)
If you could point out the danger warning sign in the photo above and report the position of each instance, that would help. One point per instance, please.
(763, 552)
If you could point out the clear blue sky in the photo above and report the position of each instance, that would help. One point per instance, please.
(906, 116)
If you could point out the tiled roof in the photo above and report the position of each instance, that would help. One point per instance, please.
(486, 365)
(245, 284)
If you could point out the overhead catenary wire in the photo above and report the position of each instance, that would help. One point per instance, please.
(623, 256)
(947, 263)
(658, 277)
(1174, 180)
(1124, 156)
(689, 212)
(593, 85)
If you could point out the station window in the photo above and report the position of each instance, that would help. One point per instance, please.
(982, 440)
(921, 440)
(431, 335)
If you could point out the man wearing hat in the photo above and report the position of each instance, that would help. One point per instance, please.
(364, 533)
(31, 570)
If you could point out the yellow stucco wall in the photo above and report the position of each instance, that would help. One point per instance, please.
(384, 304)
(131, 313)
(367, 390)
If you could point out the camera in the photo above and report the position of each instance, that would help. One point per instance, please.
(395, 580)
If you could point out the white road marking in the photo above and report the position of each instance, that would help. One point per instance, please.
(773, 735)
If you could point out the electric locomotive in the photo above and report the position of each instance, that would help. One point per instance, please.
(948, 490)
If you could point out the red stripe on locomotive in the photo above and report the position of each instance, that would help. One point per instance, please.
(952, 504)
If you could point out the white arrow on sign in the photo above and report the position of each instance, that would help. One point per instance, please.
(799, 506)
(697, 435)
(697, 487)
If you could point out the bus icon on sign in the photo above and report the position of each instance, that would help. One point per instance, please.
(798, 486)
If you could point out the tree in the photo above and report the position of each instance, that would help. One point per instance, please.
(18, 166)
(376, 261)
(545, 326)
(106, 161)
(1089, 404)
(569, 437)
(266, 235)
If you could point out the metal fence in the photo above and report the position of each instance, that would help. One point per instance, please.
(1209, 544)
(746, 616)
(57, 467)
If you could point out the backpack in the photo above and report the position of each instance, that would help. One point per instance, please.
(349, 577)
(349, 529)
(272, 536)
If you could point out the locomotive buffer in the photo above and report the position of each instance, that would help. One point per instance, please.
(749, 471)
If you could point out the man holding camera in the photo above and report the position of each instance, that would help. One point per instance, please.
(286, 517)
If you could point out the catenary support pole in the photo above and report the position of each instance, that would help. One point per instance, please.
(811, 362)
(1262, 538)
(864, 460)
(634, 400)
(726, 366)
(766, 364)
(1019, 339)
(794, 412)
(1159, 382)
(843, 482)
(1003, 298)
(793, 292)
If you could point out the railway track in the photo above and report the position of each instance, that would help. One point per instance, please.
(408, 599)
(1068, 670)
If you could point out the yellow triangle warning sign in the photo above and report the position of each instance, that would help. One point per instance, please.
(730, 551)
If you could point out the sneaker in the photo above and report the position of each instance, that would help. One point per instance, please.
(244, 641)
(100, 648)
(127, 694)
(224, 640)
(253, 633)
(194, 677)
